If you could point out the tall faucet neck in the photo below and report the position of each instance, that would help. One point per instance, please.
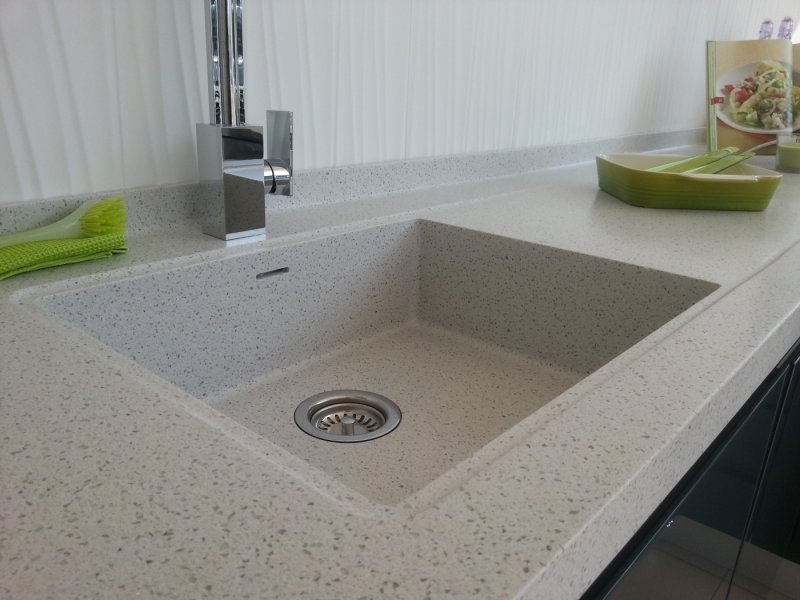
(225, 62)
(233, 169)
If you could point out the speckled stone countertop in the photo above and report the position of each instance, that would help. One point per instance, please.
(116, 484)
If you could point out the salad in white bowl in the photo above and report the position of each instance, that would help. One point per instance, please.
(759, 97)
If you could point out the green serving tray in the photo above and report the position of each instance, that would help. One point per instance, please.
(742, 187)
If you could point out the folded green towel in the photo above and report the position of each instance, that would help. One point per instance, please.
(30, 256)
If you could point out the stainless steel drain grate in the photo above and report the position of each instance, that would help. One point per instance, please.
(347, 416)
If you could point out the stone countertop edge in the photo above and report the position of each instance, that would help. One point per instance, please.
(117, 483)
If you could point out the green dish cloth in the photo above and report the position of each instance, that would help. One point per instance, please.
(31, 256)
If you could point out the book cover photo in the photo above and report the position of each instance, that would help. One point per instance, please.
(751, 96)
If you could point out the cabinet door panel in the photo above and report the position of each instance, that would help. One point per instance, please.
(693, 553)
(771, 554)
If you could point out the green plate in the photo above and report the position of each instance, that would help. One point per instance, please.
(742, 187)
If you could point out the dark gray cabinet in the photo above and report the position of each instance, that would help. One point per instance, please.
(731, 528)
(769, 563)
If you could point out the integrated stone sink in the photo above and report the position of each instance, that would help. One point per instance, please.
(468, 333)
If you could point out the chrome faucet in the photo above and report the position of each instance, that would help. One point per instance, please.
(234, 171)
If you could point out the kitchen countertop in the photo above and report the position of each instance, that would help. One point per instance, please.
(118, 484)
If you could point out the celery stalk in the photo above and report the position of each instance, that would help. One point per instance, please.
(693, 162)
(723, 163)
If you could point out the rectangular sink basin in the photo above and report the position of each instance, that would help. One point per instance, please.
(468, 333)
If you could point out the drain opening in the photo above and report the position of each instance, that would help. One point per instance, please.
(347, 416)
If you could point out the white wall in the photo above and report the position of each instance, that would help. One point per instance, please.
(104, 94)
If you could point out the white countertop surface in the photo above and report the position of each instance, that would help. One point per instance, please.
(114, 483)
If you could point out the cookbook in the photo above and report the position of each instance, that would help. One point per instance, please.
(753, 92)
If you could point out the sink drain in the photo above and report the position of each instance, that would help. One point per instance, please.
(347, 416)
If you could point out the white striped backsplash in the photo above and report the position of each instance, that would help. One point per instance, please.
(105, 94)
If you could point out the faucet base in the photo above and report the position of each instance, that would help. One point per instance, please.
(254, 235)
(231, 173)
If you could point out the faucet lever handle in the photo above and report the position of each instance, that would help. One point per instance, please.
(278, 149)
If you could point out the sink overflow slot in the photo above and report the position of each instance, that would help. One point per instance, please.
(272, 273)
